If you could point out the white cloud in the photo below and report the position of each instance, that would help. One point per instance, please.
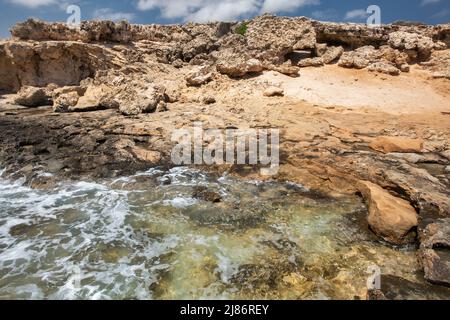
(33, 3)
(225, 10)
(357, 14)
(110, 14)
(274, 6)
(427, 2)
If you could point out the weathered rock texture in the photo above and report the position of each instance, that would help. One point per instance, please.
(392, 218)
(434, 252)
(43, 54)
(105, 78)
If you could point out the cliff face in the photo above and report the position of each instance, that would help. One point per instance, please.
(41, 54)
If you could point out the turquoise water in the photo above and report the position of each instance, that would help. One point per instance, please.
(147, 237)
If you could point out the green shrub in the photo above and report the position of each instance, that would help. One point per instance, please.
(242, 29)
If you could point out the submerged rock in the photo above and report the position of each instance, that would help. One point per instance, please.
(203, 193)
(398, 288)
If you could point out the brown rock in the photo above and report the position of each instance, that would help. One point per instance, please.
(353, 59)
(208, 99)
(311, 62)
(232, 65)
(397, 144)
(203, 193)
(95, 98)
(32, 97)
(287, 68)
(63, 102)
(137, 98)
(199, 76)
(146, 155)
(434, 252)
(390, 217)
(273, 92)
(320, 49)
(254, 65)
(332, 54)
(384, 67)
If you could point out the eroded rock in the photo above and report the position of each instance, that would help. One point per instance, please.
(199, 76)
(273, 92)
(384, 67)
(33, 97)
(434, 253)
(397, 144)
(95, 98)
(391, 218)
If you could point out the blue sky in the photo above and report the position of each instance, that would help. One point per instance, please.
(180, 11)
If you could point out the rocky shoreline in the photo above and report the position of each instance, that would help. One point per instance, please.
(103, 101)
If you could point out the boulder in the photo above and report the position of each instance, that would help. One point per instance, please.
(414, 44)
(254, 65)
(140, 98)
(199, 76)
(278, 36)
(353, 59)
(233, 66)
(384, 67)
(95, 98)
(320, 49)
(397, 144)
(311, 62)
(434, 252)
(332, 54)
(391, 218)
(29, 96)
(384, 59)
(66, 97)
(328, 55)
(208, 99)
(65, 101)
(273, 92)
(202, 193)
(286, 68)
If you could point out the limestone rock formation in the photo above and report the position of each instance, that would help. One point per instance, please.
(414, 44)
(384, 59)
(41, 53)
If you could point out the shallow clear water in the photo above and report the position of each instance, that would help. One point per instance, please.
(146, 237)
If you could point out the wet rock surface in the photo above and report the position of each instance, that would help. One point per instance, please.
(434, 252)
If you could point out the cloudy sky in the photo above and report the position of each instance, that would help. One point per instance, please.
(179, 11)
